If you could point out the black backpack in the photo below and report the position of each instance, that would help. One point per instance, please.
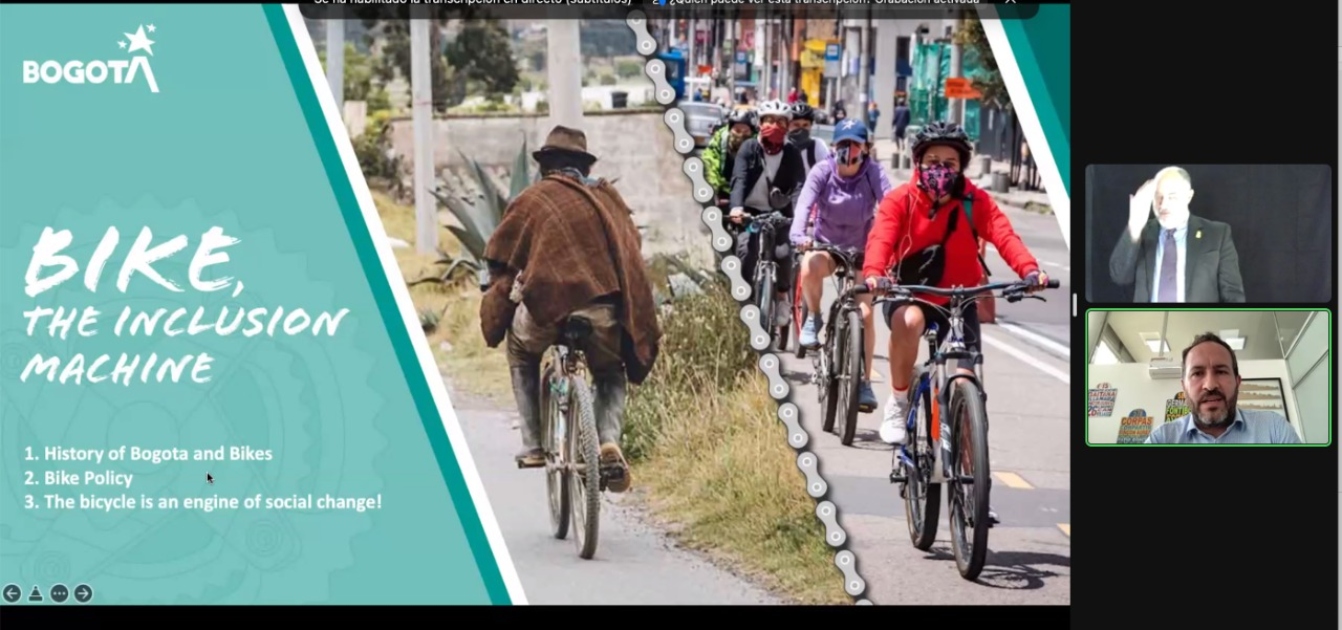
(928, 266)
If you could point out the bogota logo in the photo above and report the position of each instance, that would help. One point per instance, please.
(118, 70)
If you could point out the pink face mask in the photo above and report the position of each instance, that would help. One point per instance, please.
(937, 180)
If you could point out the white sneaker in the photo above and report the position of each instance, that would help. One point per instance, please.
(782, 313)
(894, 422)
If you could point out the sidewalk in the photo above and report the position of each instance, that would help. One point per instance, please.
(1036, 200)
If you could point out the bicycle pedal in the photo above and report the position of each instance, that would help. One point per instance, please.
(523, 464)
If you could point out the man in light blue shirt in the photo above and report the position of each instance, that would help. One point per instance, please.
(1211, 385)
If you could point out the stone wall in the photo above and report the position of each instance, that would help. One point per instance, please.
(634, 146)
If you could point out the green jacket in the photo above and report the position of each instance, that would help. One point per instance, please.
(718, 162)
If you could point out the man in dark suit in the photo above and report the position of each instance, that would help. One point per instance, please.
(1174, 256)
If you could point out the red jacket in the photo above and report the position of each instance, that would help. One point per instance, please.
(898, 233)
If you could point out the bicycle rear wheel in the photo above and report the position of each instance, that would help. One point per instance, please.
(969, 489)
(922, 500)
(850, 375)
(584, 483)
(553, 430)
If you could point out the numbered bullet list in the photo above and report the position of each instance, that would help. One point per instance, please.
(87, 479)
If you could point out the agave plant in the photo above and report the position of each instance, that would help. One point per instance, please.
(482, 215)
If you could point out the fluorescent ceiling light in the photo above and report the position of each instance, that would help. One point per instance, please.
(1233, 339)
(1154, 342)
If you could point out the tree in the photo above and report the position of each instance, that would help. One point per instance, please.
(482, 56)
(396, 56)
(987, 81)
(358, 73)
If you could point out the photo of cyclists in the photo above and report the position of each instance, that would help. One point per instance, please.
(567, 286)
(871, 257)
(557, 259)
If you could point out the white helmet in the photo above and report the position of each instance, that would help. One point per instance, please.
(774, 108)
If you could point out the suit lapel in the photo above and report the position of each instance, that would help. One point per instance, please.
(1195, 245)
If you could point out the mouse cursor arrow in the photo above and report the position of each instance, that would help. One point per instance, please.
(209, 478)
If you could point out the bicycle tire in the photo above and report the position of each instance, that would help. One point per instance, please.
(556, 477)
(826, 393)
(764, 290)
(585, 487)
(799, 315)
(971, 423)
(922, 500)
(850, 382)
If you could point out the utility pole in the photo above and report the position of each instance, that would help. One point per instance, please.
(421, 87)
(768, 58)
(564, 67)
(863, 68)
(780, 56)
(335, 62)
(956, 106)
(692, 65)
(730, 45)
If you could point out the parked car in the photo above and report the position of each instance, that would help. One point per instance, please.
(701, 119)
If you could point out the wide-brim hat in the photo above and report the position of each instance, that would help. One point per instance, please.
(564, 141)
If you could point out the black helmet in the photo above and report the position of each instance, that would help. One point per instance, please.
(744, 117)
(803, 111)
(945, 133)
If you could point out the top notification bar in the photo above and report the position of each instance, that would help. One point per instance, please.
(657, 9)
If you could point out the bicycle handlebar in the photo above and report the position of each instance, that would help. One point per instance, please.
(848, 252)
(1012, 291)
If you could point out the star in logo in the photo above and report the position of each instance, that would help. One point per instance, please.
(140, 41)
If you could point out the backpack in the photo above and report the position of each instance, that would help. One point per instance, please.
(810, 153)
(928, 266)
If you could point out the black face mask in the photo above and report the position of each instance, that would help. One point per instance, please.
(799, 136)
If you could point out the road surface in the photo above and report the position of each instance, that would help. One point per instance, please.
(634, 564)
(1026, 371)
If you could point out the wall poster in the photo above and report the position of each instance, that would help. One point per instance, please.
(1101, 401)
(1135, 427)
(1176, 407)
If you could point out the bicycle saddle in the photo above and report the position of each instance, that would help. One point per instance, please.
(576, 327)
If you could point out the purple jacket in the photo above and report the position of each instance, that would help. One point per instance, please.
(844, 208)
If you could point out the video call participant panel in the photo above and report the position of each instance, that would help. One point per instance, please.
(1209, 234)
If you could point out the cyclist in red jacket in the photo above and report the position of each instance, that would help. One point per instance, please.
(923, 235)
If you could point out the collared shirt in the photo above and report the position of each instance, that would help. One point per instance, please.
(1181, 247)
(1251, 426)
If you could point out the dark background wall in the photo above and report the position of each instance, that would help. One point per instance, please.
(1280, 217)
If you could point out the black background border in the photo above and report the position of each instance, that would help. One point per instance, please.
(1201, 537)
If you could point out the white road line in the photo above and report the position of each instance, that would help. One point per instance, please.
(1035, 338)
(1027, 359)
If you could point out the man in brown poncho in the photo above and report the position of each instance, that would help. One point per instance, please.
(568, 247)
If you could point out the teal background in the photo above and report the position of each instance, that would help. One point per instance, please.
(1043, 48)
(233, 139)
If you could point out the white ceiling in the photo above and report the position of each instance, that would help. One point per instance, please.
(1259, 328)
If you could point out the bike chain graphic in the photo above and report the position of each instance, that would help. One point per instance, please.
(277, 381)
(788, 414)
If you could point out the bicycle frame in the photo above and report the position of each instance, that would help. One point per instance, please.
(940, 382)
(762, 225)
(569, 362)
(936, 378)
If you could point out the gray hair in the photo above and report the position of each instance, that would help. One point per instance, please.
(1175, 171)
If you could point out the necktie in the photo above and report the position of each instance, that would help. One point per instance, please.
(1169, 270)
